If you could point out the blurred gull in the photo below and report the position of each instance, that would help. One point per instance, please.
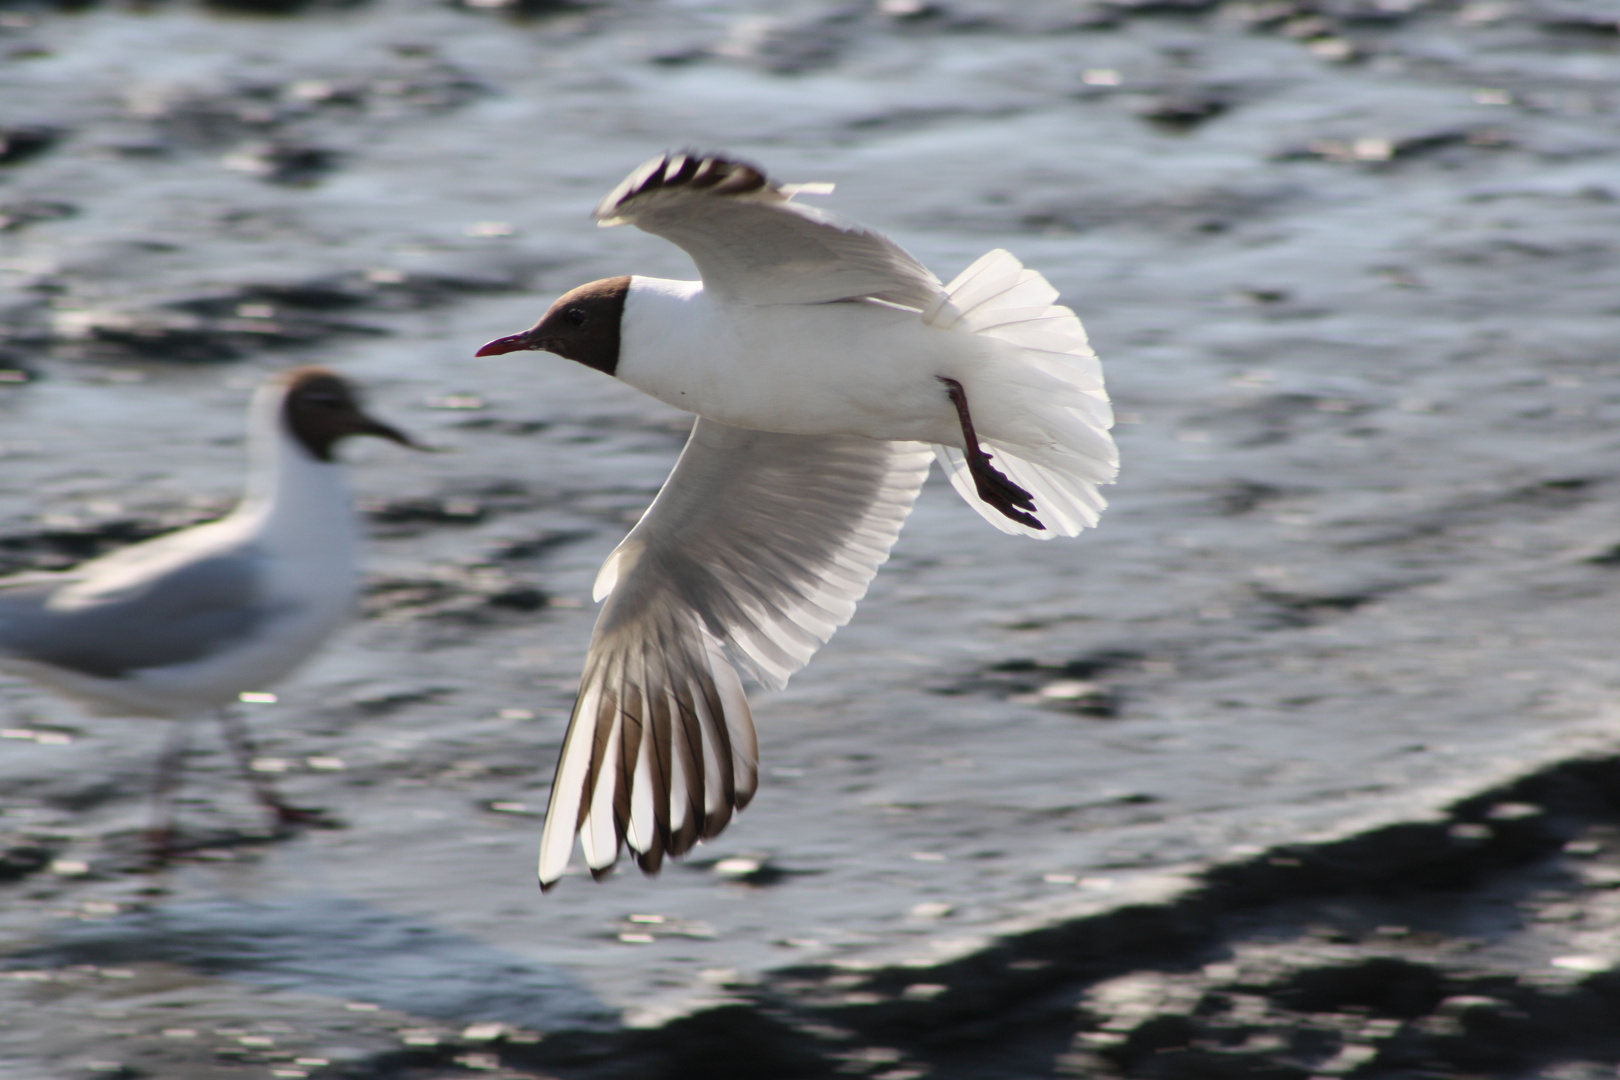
(182, 624)
(823, 363)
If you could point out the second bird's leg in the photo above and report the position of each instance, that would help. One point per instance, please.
(241, 745)
(160, 834)
(992, 484)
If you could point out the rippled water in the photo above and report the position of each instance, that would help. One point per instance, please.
(1352, 283)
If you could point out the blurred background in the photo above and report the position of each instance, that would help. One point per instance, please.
(1303, 764)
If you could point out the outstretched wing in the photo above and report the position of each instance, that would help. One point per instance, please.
(753, 246)
(756, 550)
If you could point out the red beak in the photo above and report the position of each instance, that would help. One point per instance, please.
(513, 343)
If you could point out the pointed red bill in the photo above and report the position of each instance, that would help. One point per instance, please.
(511, 343)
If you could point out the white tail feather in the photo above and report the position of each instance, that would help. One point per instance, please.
(1041, 410)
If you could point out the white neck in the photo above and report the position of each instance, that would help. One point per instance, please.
(663, 330)
(294, 500)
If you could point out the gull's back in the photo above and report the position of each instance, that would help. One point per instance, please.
(102, 629)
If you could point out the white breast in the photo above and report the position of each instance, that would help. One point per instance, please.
(834, 369)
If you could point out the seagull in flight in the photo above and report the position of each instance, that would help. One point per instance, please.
(827, 368)
(180, 625)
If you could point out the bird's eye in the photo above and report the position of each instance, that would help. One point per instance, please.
(575, 315)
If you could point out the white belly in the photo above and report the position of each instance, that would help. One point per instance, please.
(824, 369)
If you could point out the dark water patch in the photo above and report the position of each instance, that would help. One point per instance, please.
(176, 333)
(1371, 12)
(1138, 8)
(1068, 686)
(1447, 146)
(467, 503)
(208, 119)
(1609, 556)
(26, 141)
(277, 7)
(21, 214)
(381, 702)
(1511, 253)
(526, 9)
(450, 510)
(1246, 496)
(501, 426)
(283, 162)
(1278, 609)
(382, 288)
(15, 369)
(1524, 503)
(1203, 210)
(793, 46)
(218, 327)
(336, 947)
(469, 596)
(1182, 110)
(920, 118)
(538, 547)
(416, 82)
(1367, 955)
(755, 871)
(1577, 20)
(22, 857)
(1277, 418)
(63, 547)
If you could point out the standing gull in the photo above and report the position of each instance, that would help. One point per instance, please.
(823, 362)
(180, 625)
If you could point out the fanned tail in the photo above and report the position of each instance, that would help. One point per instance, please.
(1040, 406)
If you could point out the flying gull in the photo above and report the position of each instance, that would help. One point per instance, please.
(824, 363)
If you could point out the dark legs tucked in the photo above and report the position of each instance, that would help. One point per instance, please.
(993, 486)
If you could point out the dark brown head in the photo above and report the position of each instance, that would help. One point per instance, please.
(583, 325)
(321, 409)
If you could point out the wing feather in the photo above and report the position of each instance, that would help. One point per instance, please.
(756, 550)
(153, 605)
(752, 245)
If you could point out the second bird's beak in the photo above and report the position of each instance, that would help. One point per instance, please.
(368, 425)
(512, 343)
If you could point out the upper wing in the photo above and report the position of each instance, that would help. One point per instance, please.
(152, 612)
(753, 246)
(756, 550)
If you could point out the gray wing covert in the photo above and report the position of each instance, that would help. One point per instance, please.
(752, 245)
(756, 550)
(183, 614)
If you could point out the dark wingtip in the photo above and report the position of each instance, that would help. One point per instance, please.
(693, 168)
(600, 872)
(546, 886)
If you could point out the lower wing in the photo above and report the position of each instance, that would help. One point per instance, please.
(756, 550)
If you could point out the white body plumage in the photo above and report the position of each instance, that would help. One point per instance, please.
(822, 361)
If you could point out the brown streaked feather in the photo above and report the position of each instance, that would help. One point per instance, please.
(688, 168)
(632, 722)
(687, 736)
(753, 245)
(650, 862)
